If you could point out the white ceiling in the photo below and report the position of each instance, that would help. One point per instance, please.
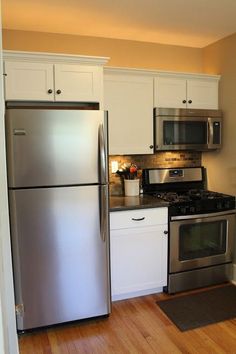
(193, 23)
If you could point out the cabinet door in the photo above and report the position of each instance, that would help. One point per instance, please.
(138, 261)
(129, 101)
(202, 94)
(170, 92)
(78, 83)
(28, 81)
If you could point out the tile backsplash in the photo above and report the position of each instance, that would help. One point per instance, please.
(160, 159)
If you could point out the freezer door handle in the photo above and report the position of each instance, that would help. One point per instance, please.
(102, 155)
(104, 212)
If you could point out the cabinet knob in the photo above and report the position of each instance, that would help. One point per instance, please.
(58, 92)
(184, 101)
(49, 90)
(151, 146)
(190, 101)
(166, 232)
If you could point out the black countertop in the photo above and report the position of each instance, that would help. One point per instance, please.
(118, 203)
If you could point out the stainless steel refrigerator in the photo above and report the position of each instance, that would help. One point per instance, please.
(58, 195)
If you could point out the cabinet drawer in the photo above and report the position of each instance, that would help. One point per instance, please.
(136, 218)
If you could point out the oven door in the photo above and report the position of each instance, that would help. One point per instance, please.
(201, 240)
(181, 133)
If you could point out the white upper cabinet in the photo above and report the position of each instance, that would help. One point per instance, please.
(174, 91)
(128, 97)
(42, 77)
(78, 83)
(202, 93)
(169, 92)
(28, 81)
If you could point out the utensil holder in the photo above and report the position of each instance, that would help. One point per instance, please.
(131, 187)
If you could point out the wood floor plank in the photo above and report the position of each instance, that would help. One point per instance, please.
(215, 333)
(136, 326)
(52, 338)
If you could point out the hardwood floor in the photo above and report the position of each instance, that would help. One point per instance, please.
(135, 326)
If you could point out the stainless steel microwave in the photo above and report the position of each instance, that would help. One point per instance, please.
(187, 129)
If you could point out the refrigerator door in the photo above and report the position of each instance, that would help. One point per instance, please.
(60, 252)
(55, 147)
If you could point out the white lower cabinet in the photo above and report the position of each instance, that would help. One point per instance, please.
(138, 252)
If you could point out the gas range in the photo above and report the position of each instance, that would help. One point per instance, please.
(201, 227)
(183, 189)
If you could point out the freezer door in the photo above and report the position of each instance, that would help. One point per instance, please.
(55, 147)
(61, 259)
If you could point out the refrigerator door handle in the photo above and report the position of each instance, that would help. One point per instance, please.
(104, 212)
(19, 131)
(102, 155)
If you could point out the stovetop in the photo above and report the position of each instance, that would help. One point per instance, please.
(196, 201)
(190, 195)
(184, 190)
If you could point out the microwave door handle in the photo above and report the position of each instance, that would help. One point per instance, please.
(210, 133)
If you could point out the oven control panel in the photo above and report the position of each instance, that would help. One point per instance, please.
(202, 206)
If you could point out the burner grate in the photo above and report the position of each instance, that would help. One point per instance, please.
(196, 201)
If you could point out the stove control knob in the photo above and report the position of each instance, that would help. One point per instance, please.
(192, 209)
(198, 208)
(219, 205)
(182, 210)
(227, 204)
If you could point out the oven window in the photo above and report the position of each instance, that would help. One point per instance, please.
(200, 240)
(184, 132)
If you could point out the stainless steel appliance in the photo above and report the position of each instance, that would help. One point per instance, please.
(187, 129)
(201, 227)
(58, 192)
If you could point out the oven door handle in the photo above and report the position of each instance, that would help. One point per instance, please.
(202, 216)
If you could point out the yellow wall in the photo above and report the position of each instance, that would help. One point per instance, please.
(123, 53)
(220, 58)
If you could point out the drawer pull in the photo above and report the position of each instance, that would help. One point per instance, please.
(139, 219)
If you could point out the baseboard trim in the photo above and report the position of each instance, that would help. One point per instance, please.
(136, 294)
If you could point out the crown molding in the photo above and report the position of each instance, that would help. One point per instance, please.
(159, 73)
(53, 58)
